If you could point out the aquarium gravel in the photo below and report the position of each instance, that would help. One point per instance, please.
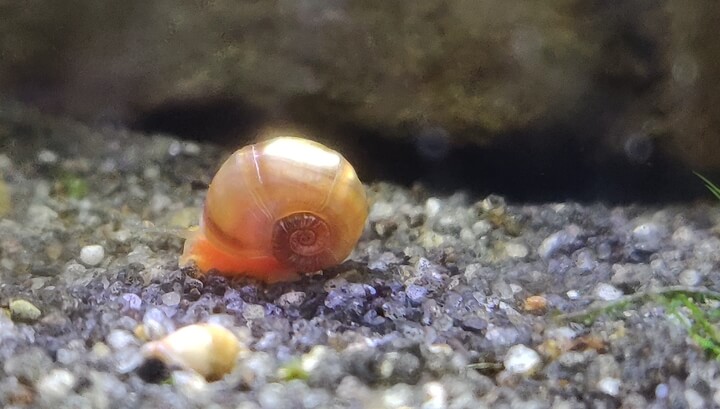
(448, 301)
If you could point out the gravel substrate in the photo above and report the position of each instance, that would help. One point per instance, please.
(447, 302)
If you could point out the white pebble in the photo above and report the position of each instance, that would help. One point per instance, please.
(573, 294)
(191, 384)
(381, 210)
(521, 360)
(191, 149)
(557, 241)
(694, 399)
(5, 162)
(607, 292)
(40, 215)
(690, 277)
(56, 385)
(47, 156)
(119, 339)
(292, 298)
(481, 228)
(648, 236)
(170, 299)
(92, 255)
(253, 312)
(516, 250)
(432, 207)
(609, 386)
(435, 396)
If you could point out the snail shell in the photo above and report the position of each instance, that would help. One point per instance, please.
(279, 207)
(208, 349)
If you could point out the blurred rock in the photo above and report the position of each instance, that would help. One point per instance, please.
(575, 91)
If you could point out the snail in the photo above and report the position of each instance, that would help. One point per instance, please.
(277, 208)
(208, 349)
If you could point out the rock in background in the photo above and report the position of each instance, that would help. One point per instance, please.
(592, 85)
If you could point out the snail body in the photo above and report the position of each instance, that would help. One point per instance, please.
(277, 208)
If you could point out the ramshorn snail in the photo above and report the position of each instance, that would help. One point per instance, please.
(276, 208)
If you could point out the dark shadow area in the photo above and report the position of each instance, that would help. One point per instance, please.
(213, 119)
(525, 173)
(522, 167)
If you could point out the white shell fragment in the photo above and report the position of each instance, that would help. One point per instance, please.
(208, 349)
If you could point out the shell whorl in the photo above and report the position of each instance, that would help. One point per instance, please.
(302, 240)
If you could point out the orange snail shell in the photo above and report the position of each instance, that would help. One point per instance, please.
(276, 208)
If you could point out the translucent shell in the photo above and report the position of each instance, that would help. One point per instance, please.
(279, 207)
(208, 349)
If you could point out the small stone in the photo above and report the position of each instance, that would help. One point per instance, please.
(171, 299)
(416, 293)
(100, 350)
(292, 299)
(398, 396)
(694, 399)
(156, 324)
(516, 250)
(607, 292)
(684, 235)
(159, 203)
(56, 385)
(385, 228)
(132, 301)
(661, 391)
(558, 241)
(500, 336)
(648, 236)
(191, 149)
(474, 324)
(5, 162)
(39, 215)
(572, 359)
(467, 235)
(92, 255)
(435, 396)
(399, 367)
(24, 311)
(274, 395)
(604, 250)
(253, 312)
(54, 250)
(119, 339)
(473, 271)
(29, 365)
(432, 207)
(481, 228)
(690, 277)
(382, 261)
(151, 172)
(609, 386)
(189, 383)
(47, 157)
(631, 275)
(381, 211)
(521, 360)
(535, 303)
(573, 294)
(175, 148)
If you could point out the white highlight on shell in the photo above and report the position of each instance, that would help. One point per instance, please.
(298, 150)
